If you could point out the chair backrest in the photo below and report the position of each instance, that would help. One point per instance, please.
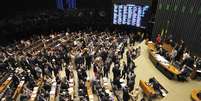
(177, 64)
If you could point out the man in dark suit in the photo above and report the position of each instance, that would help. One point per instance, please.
(88, 60)
(126, 95)
(129, 59)
(116, 75)
(125, 70)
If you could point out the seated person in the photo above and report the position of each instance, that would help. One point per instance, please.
(167, 56)
(199, 95)
(161, 51)
(156, 86)
(173, 55)
(189, 62)
(198, 64)
(184, 73)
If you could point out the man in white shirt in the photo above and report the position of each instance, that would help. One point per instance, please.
(173, 55)
(186, 55)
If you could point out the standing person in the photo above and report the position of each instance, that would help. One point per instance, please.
(173, 55)
(180, 52)
(129, 57)
(116, 71)
(103, 54)
(131, 80)
(158, 39)
(106, 69)
(125, 70)
(126, 95)
(116, 75)
(88, 59)
(38, 71)
(67, 73)
(47, 71)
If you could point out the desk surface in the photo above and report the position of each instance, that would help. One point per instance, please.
(5, 84)
(71, 89)
(151, 46)
(108, 88)
(165, 65)
(165, 46)
(36, 89)
(89, 90)
(194, 94)
(34, 94)
(148, 90)
(53, 91)
(18, 90)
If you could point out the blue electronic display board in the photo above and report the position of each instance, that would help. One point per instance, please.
(130, 14)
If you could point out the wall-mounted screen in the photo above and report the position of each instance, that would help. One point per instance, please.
(131, 14)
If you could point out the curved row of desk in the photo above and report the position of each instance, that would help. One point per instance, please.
(196, 95)
(166, 68)
(35, 93)
(148, 90)
(161, 63)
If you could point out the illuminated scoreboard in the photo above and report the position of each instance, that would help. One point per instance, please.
(130, 14)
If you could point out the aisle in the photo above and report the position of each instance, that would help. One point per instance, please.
(178, 91)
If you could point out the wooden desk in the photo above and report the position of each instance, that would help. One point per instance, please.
(34, 94)
(194, 94)
(151, 46)
(71, 89)
(89, 90)
(148, 90)
(165, 46)
(134, 94)
(53, 91)
(36, 89)
(6, 84)
(108, 88)
(18, 90)
(160, 64)
(39, 82)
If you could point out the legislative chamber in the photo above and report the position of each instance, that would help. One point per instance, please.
(100, 50)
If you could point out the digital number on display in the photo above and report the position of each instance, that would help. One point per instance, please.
(129, 14)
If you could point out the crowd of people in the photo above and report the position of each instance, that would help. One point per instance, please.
(180, 56)
(76, 53)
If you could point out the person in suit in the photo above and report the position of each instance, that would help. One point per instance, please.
(106, 69)
(129, 57)
(125, 70)
(158, 39)
(155, 85)
(173, 55)
(126, 96)
(116, 76)
(88, 60)
(199, 95)
(67, 73)
(131, 80)
(116, 71)
(161, 51)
